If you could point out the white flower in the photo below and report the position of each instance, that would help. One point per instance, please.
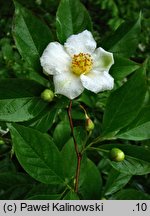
(78, 65)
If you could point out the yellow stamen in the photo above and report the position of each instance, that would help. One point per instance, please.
(81, 63)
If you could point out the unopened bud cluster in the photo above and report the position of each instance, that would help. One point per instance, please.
(47, 95)
(116, 154)
(89, 125)
(2, 142)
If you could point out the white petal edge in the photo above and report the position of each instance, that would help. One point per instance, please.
(54, 59)
(97, 81)
(68, 85)
(80, 43)
(102, 60)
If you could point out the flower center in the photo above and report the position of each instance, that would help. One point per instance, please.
(81, 63)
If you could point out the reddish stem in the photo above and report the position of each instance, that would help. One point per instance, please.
(78, 154)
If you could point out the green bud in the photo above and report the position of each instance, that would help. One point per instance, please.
(116, 155)
(47, 95)
(2, 142)
(89, 124)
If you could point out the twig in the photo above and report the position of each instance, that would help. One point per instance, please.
(78, 171)
(78, 154)
(71, 126)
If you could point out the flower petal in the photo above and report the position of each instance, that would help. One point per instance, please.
(102, 60)
(55, 59)
(68, 84)
(80, 43)
(96, 81)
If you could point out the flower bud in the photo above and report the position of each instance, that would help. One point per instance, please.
(2, 142)
(117, 155)
(47, 95)
(89, 124)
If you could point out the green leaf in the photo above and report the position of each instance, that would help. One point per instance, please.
(136, 162)
(130, 194)
(44, 189)
(132, 166)
(89, 98)
(122, 67)
(104, 166)
(116, 181)
(125, 39)
(20, 100)
(14, 185)
(61, 134)
(37, 77)
(71, 196)
(37, 154)
(124, 104)
(69, 160)
(16, 192)
(141, 132)
(90, 181)
(6, 165)
(81, 136)
(27, 31)
(139, 129)
(71, 18)
(44, 121)
(7, 49)
(77, 114)
(9, 179)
